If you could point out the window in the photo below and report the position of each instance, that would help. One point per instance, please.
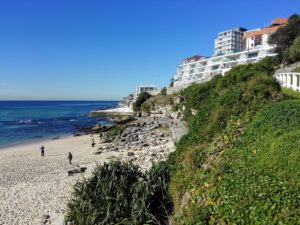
(257, 40)
(252, 55)
(298, 81)
(291, 77)
(215, 67)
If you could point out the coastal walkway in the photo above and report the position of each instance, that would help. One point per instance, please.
(125, 111)
(178, 129)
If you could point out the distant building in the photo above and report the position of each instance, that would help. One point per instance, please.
(151, 89)
(229, 41)
(188, 69)
(240, 47)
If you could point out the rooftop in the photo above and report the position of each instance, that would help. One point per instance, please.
(276, 23)
(260, 32)
(193, 58)
(279, 21)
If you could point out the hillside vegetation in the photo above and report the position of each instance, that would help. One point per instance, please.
(239, 162)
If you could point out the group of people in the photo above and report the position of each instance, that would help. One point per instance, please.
(70, 156)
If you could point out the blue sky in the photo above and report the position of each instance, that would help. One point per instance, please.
(100, 50)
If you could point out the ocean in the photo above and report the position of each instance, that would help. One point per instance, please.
(27, 121)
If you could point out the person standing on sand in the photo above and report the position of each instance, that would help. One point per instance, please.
(42, 150)
(93, 143)
(70, 157)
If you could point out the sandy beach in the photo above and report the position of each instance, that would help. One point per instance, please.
(33, 188)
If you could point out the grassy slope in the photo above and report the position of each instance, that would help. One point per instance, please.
(297, 70)
(238, 163)
(290, 93)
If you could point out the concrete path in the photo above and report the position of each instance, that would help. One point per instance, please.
(178, 129)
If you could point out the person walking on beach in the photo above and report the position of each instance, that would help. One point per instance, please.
(42, 150)
(93, 143)
(70, 157)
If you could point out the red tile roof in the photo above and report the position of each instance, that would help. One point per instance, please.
(279, 21)
(260, 32)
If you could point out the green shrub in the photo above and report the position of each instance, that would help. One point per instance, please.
(119, 193)
(146, 107)
(292, 54)
(144, 96)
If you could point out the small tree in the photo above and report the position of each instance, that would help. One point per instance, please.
(284, 37)
(163, 91)
(172, 82)
(144, 96)
(293, 52)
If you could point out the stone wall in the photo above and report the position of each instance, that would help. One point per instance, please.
(172, 90)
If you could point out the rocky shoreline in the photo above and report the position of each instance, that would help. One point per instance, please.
(140, 140)
(144, 141)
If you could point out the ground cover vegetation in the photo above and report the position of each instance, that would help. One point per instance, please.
(238, 163)
(297, 70)
(290, 93)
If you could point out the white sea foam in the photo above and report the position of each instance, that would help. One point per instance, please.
(25, 121)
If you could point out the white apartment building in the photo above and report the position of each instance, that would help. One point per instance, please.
(255, 47)
(229, 41)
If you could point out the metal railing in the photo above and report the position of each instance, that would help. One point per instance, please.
(289, 80)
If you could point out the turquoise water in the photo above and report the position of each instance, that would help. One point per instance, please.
(25, 121)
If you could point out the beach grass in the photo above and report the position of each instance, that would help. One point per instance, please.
(119, 193)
